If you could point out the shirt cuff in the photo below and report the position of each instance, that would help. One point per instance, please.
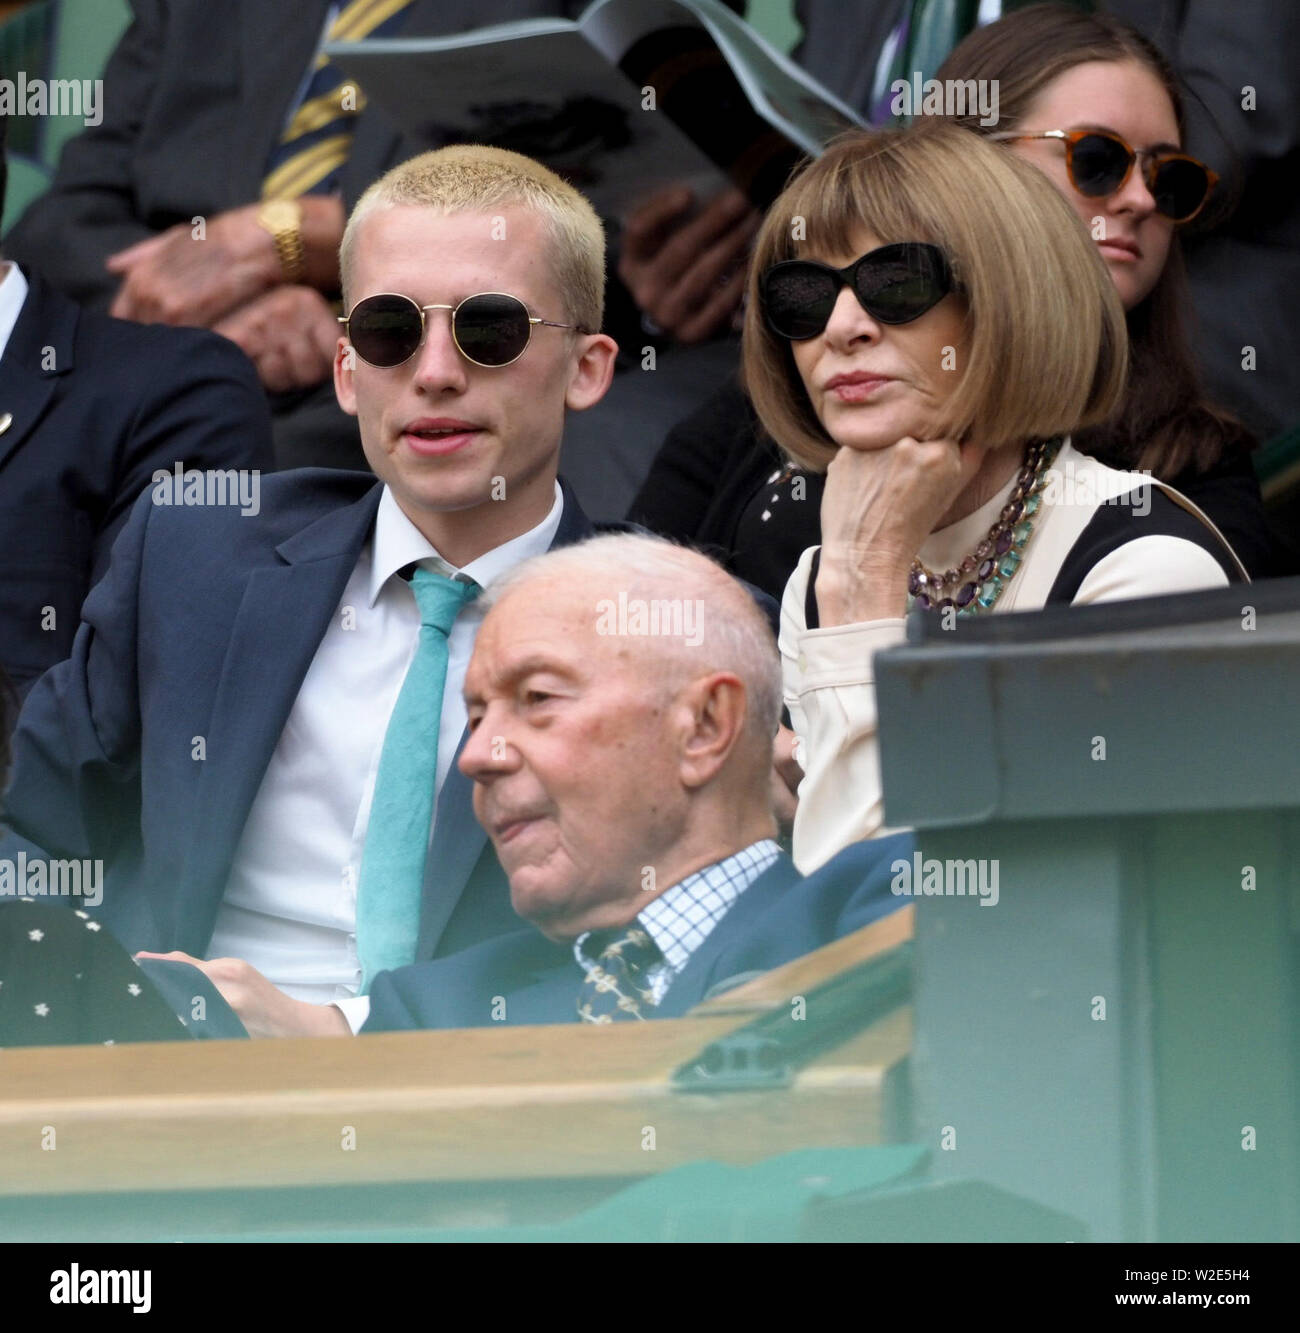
(356, 1010)
(842, 655)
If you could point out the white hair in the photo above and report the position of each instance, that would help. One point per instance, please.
(731, 633)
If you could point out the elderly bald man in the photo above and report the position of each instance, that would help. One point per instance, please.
(622, 697)
(622, 701)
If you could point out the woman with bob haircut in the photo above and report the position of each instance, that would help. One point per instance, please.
(928, 322)
(1095, 106)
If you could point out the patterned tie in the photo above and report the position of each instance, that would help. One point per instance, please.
(616, 988)
(318, 138)
(397, 837)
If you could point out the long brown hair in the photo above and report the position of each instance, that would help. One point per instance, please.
(1165, 424)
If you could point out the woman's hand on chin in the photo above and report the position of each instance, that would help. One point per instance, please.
(878, 507)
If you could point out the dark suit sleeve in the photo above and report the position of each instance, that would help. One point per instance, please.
(74, 789)
(870, 872)
(89, 211)
(695, 459)
(850, 891)
(474, 988)
(1219, 50)
(451, 992)
(203, 407)
(405, 999)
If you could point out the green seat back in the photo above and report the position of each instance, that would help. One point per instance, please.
(1277, 465)
(55, 39)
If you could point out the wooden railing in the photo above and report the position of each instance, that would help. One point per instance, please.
(504, 1104)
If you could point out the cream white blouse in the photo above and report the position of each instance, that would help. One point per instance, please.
(829, 676)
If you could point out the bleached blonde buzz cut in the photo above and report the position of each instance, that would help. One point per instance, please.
(474, 178)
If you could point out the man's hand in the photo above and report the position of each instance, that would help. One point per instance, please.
(176, 278)
(264, 1010)
(289, 334)
(878, 508)
(688, 277)
(786, 777)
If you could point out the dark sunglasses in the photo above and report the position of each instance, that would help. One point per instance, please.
(894, 284)
(1099, 163)
(489, 329)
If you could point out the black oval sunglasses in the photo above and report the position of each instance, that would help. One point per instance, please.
(894, 284)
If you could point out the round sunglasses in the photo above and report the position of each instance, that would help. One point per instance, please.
(489, 328)
(1099, 163)
(894, 284)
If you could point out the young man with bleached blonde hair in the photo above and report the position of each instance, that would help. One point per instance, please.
(256, 731)
(481, 179)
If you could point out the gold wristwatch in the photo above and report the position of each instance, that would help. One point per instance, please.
(283, 219)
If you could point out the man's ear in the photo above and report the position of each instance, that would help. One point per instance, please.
(715, 707)
(344, 390)
(593, 370)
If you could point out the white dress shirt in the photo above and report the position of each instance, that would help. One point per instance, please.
(290, 905)
(13, 292)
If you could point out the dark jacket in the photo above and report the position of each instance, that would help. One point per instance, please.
(93, 407)
(780, 917)
(197, 95)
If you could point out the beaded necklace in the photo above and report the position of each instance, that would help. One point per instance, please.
(977, 583)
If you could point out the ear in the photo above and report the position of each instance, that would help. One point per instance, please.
(715, 709)
(593, 370)
(344, 389)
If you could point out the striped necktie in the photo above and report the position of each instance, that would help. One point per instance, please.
(319, 135)
(615, 989)
(391, 886)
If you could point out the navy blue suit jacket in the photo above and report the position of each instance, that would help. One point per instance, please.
(780, 917)
(94, 406)
(204, 628)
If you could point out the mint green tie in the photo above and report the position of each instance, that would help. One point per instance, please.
(397, 837)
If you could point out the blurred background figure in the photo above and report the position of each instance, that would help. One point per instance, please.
(230, 127)
(214, 190)
(1238, 64)
(90, 409)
